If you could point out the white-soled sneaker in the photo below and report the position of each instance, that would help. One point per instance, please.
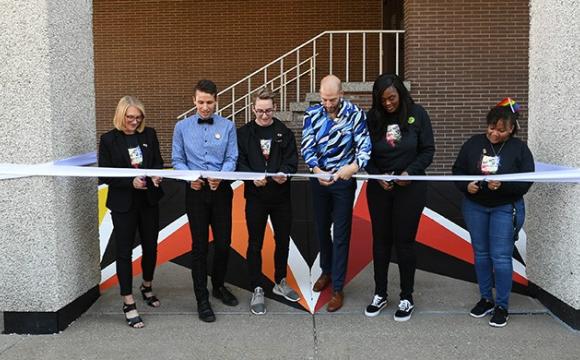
(283, 289)
(482, 308)
(499, 318)
(257, 304)
(375, 307)
(405, 310)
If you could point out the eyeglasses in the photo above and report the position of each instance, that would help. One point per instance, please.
(261, 112)
(133, 118)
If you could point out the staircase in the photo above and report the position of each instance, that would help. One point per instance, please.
(355, 56)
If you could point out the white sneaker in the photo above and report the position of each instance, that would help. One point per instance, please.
(283, 289)
(257, 305)
(405, 310)
(376, 306)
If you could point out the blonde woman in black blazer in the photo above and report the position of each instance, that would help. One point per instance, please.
(133, 201)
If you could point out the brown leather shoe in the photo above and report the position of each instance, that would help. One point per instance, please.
(321, 283)
(335, 302)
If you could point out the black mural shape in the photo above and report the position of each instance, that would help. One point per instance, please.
(443, 198)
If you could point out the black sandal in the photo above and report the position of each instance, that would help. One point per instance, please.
(134, 321)
(150, 300)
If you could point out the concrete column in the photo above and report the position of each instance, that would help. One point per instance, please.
(553, 221)
(49, 249)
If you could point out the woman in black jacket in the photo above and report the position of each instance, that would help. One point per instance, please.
(494, 211)
(133, 201)
(402, 144)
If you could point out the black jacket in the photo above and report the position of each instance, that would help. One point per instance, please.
(113, 153)
(283, 158)
(516, 157)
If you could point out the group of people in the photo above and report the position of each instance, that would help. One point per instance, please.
(339, 139)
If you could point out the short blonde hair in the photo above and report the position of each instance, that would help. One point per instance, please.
(124, 104)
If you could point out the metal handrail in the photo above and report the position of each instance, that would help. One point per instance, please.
(267, 83)
(240, 101)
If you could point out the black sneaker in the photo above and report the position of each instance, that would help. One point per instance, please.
(500, 317)
(376, 306)
(205, 312)
(482, 308)
(225, 295)
(405, 310)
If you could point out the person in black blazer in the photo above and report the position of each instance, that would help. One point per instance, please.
(133, 201)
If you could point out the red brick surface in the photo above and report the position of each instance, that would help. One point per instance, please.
(462, 57)
(157, 50)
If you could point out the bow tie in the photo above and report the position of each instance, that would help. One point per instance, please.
(208, 121)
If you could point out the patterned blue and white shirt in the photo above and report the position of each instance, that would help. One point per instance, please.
(331, 144)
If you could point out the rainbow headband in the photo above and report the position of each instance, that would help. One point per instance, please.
(514, 106)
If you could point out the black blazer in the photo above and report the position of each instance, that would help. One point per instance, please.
(113, 153)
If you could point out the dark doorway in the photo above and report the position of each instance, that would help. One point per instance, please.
(393, 20)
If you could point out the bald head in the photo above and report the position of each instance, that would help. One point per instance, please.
(330, 94)
(330, 84)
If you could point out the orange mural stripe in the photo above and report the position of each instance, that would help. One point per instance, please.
(294, 284)
(436, 236)
(239, 230)
(520, 279)
(175, 245)
(240, 234)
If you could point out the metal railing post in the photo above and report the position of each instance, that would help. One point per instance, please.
(282, 86)
(346, 56)
(330, 54)
(313, 74)
(233, 102)
(249, 100)
(397, 54)
(380, 53)
(298, 75)
(364, 55)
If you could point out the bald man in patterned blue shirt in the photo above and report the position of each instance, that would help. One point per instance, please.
(335, 142)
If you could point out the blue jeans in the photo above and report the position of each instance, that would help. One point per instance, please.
(333, 206)
(492, 237)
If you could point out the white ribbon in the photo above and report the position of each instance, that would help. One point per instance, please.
(71, 167)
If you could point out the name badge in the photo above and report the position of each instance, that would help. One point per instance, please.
(489, 164)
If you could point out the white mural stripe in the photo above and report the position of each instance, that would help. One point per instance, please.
(110, 270)
(518, 267)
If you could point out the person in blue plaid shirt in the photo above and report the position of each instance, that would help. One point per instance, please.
(335, 141)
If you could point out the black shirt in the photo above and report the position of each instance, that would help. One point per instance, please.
(283, 157)
(412, 151)
(514, 157)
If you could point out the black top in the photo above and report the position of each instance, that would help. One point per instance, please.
(113, 152)
(283, 157)
(514, 157)
(411, 150)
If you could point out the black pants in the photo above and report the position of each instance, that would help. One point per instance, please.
(145, 218)
(257, 212)
(395, 218)
(207, 208)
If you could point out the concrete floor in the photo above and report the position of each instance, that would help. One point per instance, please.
(440, 328)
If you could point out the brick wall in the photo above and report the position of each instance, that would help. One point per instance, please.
(157, 50)
(462, 57)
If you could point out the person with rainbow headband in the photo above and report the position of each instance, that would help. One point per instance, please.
(494, 211)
